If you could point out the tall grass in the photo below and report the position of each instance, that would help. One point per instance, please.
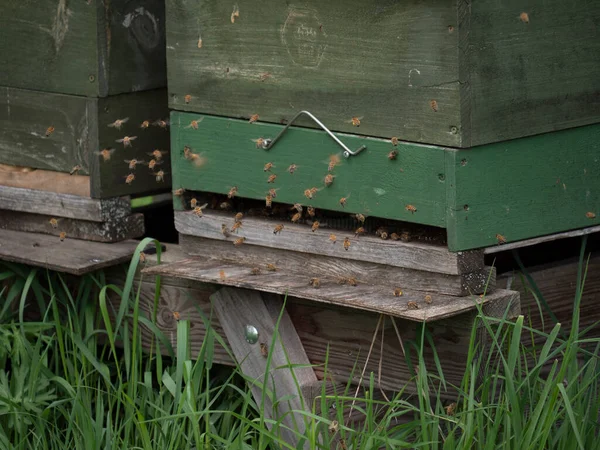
(76, 376)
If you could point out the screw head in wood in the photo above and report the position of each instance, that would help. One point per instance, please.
(251, 334)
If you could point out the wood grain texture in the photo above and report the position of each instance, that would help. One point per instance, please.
(313, 265)
(71, 255)
(44, 180)
(238, 308)
(372, 184)
(531, 76)
(63, 205)
(383, 61)
(128, 227)
(375, 298)
(300, 238)
(524, 188)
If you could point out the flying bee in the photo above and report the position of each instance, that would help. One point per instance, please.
(271, 178)
(193, 202)
(158, 154)
(315, 226)
(153, 163)
(129, 178)
(346, 244)
(328, 180)
(333, 238)
(278, 228)
(292, 168)
(132, 163)
(398, 292)
(105, 153)
(49, 131)
(54, 223)
(334, 426)
(253, 118)
(393, 155)
(501, 239)
(450, 409)
(142, 257)
(359, 231)
(310, 211)
(179, 192)
(236, 226)
(394, 237)
(255, 271)
(232, 192)
(118, 123)
(126, 141)
(355, 121)
(238, 217)
(161, 123)
(160, 176)
(411, 209)
(194, 123)
(315, 282)
(269, 200)
(260, 142)
(273, 192)
(297, 207)
(187, 99)
(268, 166)
(145, 124)
(334, 160)
(296, 217)
(394, 141)
(264, 348)
(75, 170)
(222, 275)
(239, 241)
(412, 305)
(62, 236)
(197, 211)
(271, 267)
(428, 299)
(176, 315)
(344, 200)
(590, 215)
(225, 230)
(187, 152)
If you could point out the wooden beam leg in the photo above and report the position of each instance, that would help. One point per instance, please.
(238, 309)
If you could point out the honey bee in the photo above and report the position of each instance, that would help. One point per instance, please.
(328, 180)
(412, 305)
(235, 13)
(142, 257)
(253, 118)
(590, 215)
(450, 409)
(273, 192)
(394, 141)
(315, 226)
(199, 42)
(393, 155)
(352, 281)
(384, 235)
(359, 231)
(344, 200)
(222, 275)
(292, 168)
(194, 123)
(158, 154)
(153, 163)
(333, 238)
(118, 123)
(271, 178)
(342, 444)
(398, 292)
(394, 237)
(268, 166)
(308, 194)
(501, 239)
(187, 99)
(310, 211)
(346, 243)
(434, 105)
(75, 170)
(232, 192)
(334, 160)
(260, 142)
(269, 201)
(132, 163)
(161, 123)
(193, 202)
(315, 282)
(278, 228)
(176, 315)
(145, 124)
(225, 206)
(62, 236)
(224, 230)
(255, 271)
(264, 76)
(105, 153)
(334, 426)
(361, 218)
(238, 217)
(126, 140)
(271, 267)
(239, 241)
(236, 226)
(49, 131)
(411, 208)
(160, 176)
(296, 217)
(405, 236)
(54, 223)
(179, 192)
(129, 178)
(524, 17)
(355, 121)
(297, 207)
(187, 152)
(428, 299)
(198, 210)
(264, 349)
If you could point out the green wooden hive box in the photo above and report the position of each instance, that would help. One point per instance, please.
(85, 47)
(67, 133)
(445, 72)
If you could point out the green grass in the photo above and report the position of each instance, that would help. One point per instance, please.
(74, 375)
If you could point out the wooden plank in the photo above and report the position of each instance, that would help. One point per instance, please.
(300, 238)
(402, 57)
(128, 227)
(25, 117)
(375, 298)
(44, 180)
(71, 255)
(336, 268)
(373, 184)
(529, 76)
(63, 205)
(108, 177)
(524, 188)
(269, 380)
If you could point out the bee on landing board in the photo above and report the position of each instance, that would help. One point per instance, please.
(225, 230)
(398, 292)
(333, 238)
(236, 226)
(238, 217)
(53, 222)
(428, 299)
(197, 211)
(106, 153)
(126, 141)
(315, 282)
(278, 228)
(412, 305)
(239, 241)
(394, 237)
(222, 275)
(271, 267)
(315, 226)
(118, 123)
(359, 231)
(225, 206)
(346, 244)
(255, 271)
(62, 236)
(296, 217)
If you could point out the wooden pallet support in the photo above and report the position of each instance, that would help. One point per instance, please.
(44, 180)
(265, 356)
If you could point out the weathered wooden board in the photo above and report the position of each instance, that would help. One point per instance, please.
(63, 205)
(523, 75)
(373, 184)
(300, 238)
(80, 131)
(376, 298)
(86, 48)
(524, 188)
(313, 265)
(113, 230)
(384, 62)
(71, 255)
(44, 180)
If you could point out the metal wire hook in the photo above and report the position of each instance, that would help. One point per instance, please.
(269, 143)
